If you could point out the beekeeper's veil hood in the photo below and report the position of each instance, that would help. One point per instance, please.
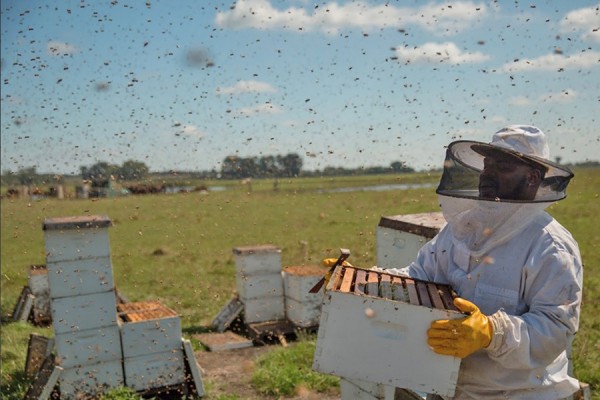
(521, 143)
(477, 223)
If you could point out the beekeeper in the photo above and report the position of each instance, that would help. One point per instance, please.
(516, 270)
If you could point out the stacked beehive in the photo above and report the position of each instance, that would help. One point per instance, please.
(259, 282)
(152, 353)
(83, 304)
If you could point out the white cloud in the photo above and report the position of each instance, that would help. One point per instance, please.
(554, 62)
(520, 101)
(266, 108)
(436, 53)
(566, 96)
(583, 20)
(55, 48)
(190, 130)
(331, 17)
(246, 87)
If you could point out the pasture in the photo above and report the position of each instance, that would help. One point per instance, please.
(177, 248)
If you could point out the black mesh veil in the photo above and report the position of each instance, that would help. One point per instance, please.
(464, 163)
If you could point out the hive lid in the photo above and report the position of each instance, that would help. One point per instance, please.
(264, 248)
(77, 222)
(425, 224)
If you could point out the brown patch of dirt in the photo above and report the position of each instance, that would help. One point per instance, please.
(228, 373)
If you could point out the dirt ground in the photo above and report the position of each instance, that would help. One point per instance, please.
(228, 372)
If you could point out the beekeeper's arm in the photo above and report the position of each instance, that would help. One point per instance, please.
(553, 291)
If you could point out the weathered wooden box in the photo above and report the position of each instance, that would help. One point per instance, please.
(76, 238)
(148, 327)
(302, 307)
(152, 345)
(81, 313)
(40, 289)
(400, 237)
(88, 347)
(88, 381)
(80, 277)
(373, 328)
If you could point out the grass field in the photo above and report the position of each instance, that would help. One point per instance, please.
(178, 248)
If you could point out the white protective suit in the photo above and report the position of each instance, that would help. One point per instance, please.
(523, 270)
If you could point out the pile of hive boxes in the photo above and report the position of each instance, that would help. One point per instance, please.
(100, 344)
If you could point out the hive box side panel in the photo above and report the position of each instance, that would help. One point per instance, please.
(303, 314)
(397, 249)
(88, 347)
(388, 344)
(151, 336)
(257, 286)
(82, 382)
(71, 245)
(76, 278)
(155, 370)
(249, 264)
(263, 309)
(297, 287)
(80, 313)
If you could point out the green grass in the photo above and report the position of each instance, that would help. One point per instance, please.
(282, 371)
(178, 248)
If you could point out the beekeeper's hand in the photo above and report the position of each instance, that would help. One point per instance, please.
(330, 262)
(461, 337)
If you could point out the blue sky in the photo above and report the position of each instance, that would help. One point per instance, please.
(183, 84)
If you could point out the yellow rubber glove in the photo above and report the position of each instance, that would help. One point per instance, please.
(461, 337)
(330, 262)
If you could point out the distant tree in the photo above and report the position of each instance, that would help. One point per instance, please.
(99, 174)
(290, 164)
(230, 167)
(132, 170)
(400, 167)
(26, 176)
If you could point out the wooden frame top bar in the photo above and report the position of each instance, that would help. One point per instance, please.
(77, 222)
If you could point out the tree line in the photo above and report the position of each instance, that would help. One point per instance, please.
(290, 165)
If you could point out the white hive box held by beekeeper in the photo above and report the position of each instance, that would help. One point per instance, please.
(400, 237)
(259, 282)
(373, 328)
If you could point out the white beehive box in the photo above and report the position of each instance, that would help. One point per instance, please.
(88, 347)
(259, 282)
(152, 345)
(302, 307)
(155, 370)
(148, 327)
(80, 313)
(89, 380)
(400, 237)
(76, 238)
(364, 336)
(80, 277)
(257, 260)
(259, 286)
(263, 309)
